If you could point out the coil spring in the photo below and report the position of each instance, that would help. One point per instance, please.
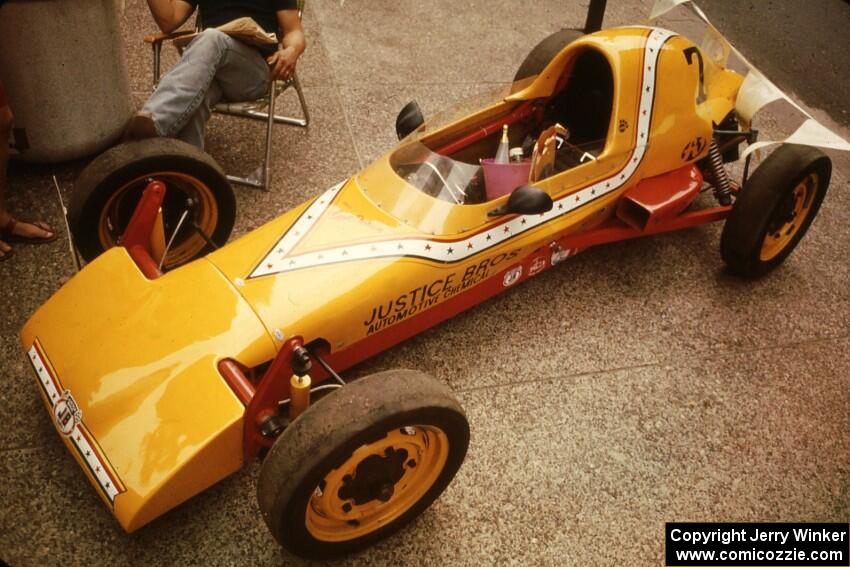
(722, 185)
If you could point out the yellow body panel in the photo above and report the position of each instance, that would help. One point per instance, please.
(722, 93)
(139, 358)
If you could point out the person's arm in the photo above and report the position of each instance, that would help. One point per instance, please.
(292, 45)
(170, 14)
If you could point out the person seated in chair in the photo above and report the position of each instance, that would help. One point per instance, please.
(214, 66)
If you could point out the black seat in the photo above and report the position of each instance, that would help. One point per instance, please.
(584, 105)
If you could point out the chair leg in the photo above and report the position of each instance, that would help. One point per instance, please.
(157, 50)
(302, 100)
(262, 177)
(305, 113)
(267, 167)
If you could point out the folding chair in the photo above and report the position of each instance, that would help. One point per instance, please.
(260, 109)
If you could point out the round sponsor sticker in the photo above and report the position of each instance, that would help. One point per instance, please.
(537, 266)
(512, 275)
(66, 414)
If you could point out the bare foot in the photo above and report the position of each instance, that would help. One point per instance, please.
(36, 230)
(6, 251)
(30, 232)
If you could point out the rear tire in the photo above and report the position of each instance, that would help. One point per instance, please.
(775, 209)
(361, 463)
(107, 191)
(542, 53)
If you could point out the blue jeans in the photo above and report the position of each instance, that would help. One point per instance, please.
(214, 66)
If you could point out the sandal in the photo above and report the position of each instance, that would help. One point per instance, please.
(7, 233)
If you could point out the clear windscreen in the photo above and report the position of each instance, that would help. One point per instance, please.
(438, 176)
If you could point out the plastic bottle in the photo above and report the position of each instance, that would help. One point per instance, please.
(503, 153)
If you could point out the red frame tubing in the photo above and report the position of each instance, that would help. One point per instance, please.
(273, 387)
(142, 258)
(234, 375)
(140, 227)
(520, 113)
(137, 236)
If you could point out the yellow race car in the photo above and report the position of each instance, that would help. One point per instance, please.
(167, 362)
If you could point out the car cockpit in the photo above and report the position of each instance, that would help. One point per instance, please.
(443, 158)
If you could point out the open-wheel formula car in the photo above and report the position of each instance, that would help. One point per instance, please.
(161, 384)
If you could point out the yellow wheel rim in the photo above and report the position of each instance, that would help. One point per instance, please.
(379, 482)
(185, 248)
(789, 217)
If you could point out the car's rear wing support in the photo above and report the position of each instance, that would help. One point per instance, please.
(595, 14)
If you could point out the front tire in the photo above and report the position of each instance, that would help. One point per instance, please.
(108, 190)
(361, 463)
(775, 209)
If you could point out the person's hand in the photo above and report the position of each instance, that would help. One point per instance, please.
(282, 63)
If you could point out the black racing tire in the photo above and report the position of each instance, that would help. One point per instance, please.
(544, 52)
(107, 191)
(774, 210)
(312, 483)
